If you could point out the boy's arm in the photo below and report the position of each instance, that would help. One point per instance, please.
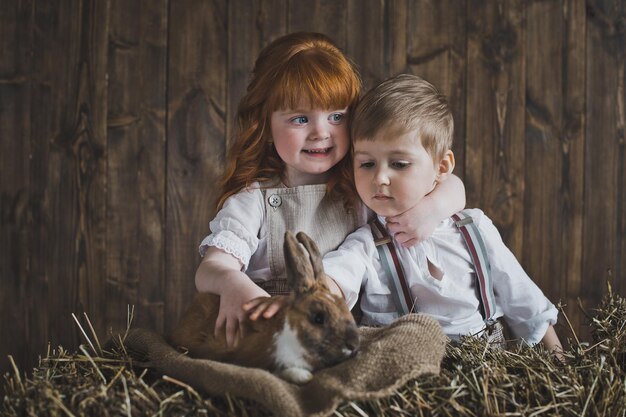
(419, 222)
(349, 265)
(552, 343)
(551, 340)
(525, 307)
(267, 307)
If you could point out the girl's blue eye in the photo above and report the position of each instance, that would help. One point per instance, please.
(367, 164)
(336, 117)
(300, 120)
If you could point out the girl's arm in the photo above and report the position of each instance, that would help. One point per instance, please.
(419, 222)
(220, 273)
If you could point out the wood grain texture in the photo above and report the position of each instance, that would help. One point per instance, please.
(494, 171)
(436, 51)
(136, 165)
(325, 16)
(603, 247)
(196, 145)
(365, 40)
(554, 170)
(16, 37)
(68, 135)
(396, 32)
(251, 26)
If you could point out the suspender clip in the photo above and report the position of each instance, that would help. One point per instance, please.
(490, 324)
(464, 222)
(382, 241)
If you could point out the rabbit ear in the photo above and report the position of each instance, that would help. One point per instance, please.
(314, 255)
(300, 274)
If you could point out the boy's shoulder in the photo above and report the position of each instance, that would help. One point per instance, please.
(475, 213)
(479, 218)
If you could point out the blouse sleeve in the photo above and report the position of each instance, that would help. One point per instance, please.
(526, 309)
(235, 228)
(351, 263)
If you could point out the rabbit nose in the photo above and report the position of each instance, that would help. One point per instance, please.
(352, 349)
(352, 339)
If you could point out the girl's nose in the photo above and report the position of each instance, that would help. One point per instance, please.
(320, 131)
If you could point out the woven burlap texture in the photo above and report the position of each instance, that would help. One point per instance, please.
(388, 358)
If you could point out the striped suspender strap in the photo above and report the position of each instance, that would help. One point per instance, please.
(391, 264)
(478, 252)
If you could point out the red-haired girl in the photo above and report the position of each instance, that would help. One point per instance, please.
(284, 172)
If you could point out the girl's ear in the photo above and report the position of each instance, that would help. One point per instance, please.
(446, 166)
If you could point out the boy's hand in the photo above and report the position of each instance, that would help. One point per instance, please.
(552, 343)
(266, 307)
(240, 290)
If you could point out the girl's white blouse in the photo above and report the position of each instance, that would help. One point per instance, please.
(239, 229)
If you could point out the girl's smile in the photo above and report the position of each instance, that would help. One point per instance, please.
(310, 142)
(319, 152)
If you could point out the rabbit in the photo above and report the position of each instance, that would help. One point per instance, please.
(314, 330)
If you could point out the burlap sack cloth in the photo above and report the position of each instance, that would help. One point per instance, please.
(388, 358)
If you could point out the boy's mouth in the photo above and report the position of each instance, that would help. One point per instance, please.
(381, 197)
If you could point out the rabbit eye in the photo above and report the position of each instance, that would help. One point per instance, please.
(318, 318)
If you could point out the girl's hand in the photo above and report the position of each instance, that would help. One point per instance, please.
(419, 222)
(239, 290)
(265, 307)
(414, 225)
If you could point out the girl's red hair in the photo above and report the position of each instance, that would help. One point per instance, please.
(294, 69)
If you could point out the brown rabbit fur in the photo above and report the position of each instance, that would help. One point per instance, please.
(314, 330)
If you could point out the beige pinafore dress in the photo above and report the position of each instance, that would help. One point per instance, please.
(308, 209)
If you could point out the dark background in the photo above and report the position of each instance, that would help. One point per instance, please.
(115, 117)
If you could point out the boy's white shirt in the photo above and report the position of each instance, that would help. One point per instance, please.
(453, 300)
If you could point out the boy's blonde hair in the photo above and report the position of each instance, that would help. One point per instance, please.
(302, 68)
(402, 104)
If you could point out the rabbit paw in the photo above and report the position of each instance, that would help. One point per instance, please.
(296, 375)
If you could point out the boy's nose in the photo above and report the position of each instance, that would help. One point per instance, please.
(381, 177)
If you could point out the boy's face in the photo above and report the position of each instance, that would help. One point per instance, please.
(393, 172)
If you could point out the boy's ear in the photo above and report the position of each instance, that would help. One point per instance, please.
(446, 165)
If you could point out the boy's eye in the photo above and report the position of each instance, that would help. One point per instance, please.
(300, 120)
(400, 164)
(336, 117)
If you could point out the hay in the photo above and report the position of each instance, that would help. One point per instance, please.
(474, 381)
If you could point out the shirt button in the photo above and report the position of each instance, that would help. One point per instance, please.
(275, 200)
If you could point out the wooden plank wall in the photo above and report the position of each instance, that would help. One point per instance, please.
(115, 118)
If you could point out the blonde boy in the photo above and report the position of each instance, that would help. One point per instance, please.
(402, 136)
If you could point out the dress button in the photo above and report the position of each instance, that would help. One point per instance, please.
(275, 200)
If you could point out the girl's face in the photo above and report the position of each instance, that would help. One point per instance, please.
(310, 142)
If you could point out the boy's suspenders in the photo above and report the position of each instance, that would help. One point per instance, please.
(476, 246)
(391, 264)
(478, 252)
